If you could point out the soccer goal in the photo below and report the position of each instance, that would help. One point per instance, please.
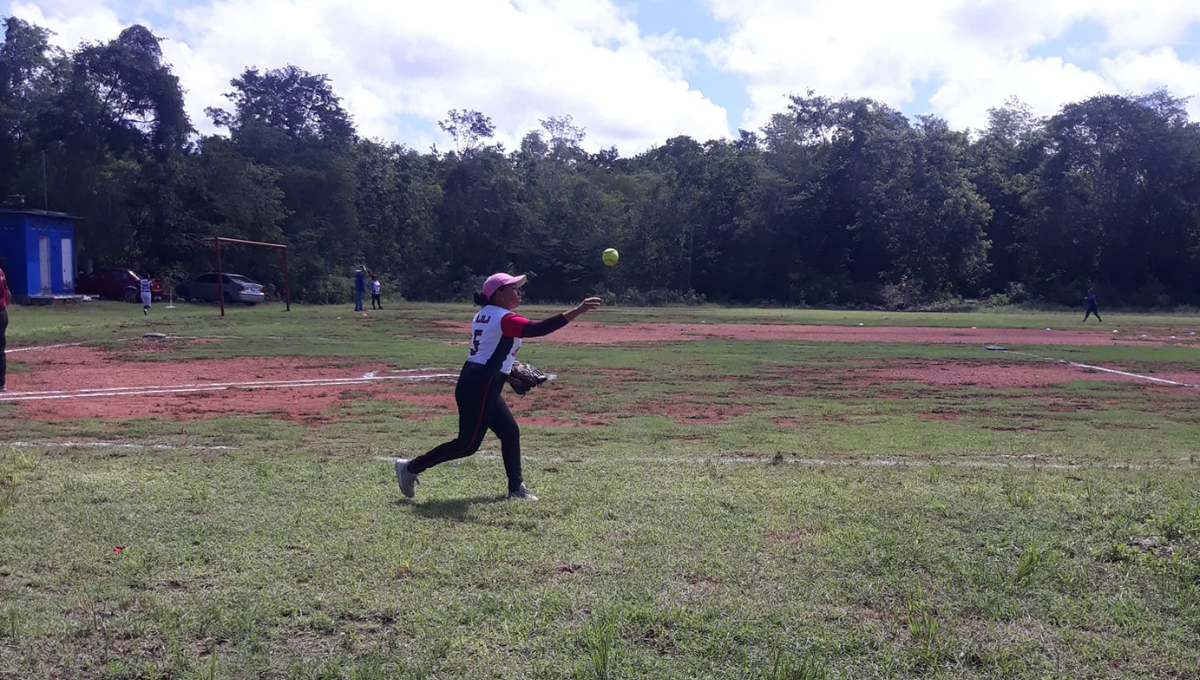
(287, 285)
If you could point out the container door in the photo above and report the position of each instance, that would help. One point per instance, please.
(68, 266)
(44, 262)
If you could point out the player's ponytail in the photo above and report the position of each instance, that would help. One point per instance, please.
(482, 300)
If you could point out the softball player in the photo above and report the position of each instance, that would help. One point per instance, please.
(496, 334)
(5, 300)
(145, 283)
(1092, 308)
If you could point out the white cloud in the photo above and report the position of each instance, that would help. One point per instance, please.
(400, 65)
(73, 22)
(973, 55)
(1145, 72)
(976, 85)
(397, 62)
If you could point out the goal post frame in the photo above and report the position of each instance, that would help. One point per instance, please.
(287, 285)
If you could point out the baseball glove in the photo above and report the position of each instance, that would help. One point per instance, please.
(524, 377)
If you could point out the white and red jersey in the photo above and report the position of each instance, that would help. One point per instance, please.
(495, 338)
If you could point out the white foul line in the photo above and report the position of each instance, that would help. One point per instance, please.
(1134, 375)
(113, 445)
(1027, 462)
(35, 349)
(84, 393)
(1102, 369)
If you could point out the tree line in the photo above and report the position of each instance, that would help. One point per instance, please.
(842, 202)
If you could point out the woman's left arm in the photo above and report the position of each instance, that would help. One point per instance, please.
(521, 327)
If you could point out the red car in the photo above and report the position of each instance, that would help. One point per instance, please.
(118, 284)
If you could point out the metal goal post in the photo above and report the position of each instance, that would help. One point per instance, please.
(287, 285)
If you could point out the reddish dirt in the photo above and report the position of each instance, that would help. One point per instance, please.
(695, 410)
(78, 368)
(1001, 376)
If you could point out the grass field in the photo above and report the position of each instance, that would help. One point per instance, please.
(727, 509)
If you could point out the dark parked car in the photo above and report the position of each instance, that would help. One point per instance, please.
(118, 284)
(237, 288)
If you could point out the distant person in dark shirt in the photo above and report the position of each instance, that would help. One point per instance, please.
(5, 299)
(1091, 306)
(360, 287)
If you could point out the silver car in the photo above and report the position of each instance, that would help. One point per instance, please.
(237, 288)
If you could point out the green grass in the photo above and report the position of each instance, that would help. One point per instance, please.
(819, 528)
(337, 326)
(292, 564)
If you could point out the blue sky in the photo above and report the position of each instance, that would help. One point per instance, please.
(690, 19)
(637, 72)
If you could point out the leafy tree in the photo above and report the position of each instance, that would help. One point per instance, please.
(31, 72)
(112, 131)
(468, 128)
(134, 93)
(1115, 200)
(834, 201)
(291, 121)
(290, 101)
(1000, 163)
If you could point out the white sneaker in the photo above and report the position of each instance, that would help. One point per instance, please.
(521, 494)
(407, 480)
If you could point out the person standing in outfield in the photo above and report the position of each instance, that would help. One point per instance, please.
(5, 298)
(1091, 307)
(360, 286)
(496, 334)
(146, 294)
(376, 291)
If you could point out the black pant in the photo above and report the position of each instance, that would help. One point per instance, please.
(1092, 310)
(480, 408)
(376, 301)
(3, 342)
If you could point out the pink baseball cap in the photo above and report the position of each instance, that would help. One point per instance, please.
(495, 281)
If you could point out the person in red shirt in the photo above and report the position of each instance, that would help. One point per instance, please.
(5, 298)
(496, 334)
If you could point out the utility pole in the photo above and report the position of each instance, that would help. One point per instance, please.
(691, 218)
(691, 250)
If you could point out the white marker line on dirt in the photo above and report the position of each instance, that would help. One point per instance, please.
(1134, 375)
(1162, 381)
(212, 387)
(877, 462)
(113, 445)
(43, 347)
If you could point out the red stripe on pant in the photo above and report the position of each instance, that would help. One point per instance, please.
(469, 438)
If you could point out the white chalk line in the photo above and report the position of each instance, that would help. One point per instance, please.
(1024, 463)
(85, 393)
(112, 445)
(41, 348)
(1102, 369)
(1134, 375)
(1028, 462)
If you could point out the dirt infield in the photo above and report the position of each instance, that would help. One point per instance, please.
(74, 382)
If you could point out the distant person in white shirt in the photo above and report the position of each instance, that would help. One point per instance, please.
(145, 295)
(376, 290)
